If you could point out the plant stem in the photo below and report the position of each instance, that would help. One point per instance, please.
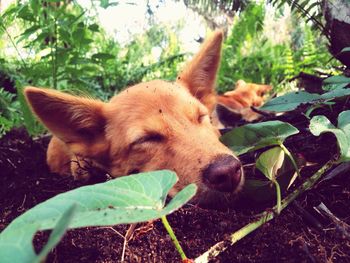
(173, 237)
(288, 153)
(56, 53)
(265, 217)
(278, 194)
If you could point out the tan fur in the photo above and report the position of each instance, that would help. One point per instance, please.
(244, 96)
(150, 126)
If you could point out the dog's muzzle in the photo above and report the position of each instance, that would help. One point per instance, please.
(224, 174)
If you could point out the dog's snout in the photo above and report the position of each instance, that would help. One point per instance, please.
(224, 174)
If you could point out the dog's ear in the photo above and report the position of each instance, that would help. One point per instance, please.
(79, 122)
(199, 75)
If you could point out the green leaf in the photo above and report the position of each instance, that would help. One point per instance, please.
(41, 37)
(28, 32)
(334, 86)
(64, 35)
(346, 49)
(260, 191)
(289, 101)
(103, 56)
(30, 122)
(292, 100)
(94, 27)
(320, 124)
(270, 161)
(86, 41)
(57, 233)
(79, 60)
(339, 91)
(251, 137)
(105, 3)
(128, 199)
(317, 106)
(337, 80)
(16, 245)
(79, 34)
(25, 13)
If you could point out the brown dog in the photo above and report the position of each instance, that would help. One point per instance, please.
(150, 126)
(242, 98)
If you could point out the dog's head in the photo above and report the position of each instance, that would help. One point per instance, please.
(245, 95)
(151, 126)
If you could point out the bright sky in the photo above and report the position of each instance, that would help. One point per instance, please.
(129, 17)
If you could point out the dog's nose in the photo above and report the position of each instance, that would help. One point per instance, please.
(224, 174)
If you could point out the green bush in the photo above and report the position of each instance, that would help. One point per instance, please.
(62, 46)
(249, 55)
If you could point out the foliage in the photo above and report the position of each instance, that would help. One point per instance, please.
(72, 51)
(250, 54)
(217, 13)
(240, 52)
(9, 112)
(252, 137)
(269, 162)
(262, 218)
(61, 45)
(128, 199)
(226, 6)
(309, 10)
(320, 124)
(292, 100)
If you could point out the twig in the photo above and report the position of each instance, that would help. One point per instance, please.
(265, 217)
(127, 237)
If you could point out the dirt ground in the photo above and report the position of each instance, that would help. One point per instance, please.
(299, 234)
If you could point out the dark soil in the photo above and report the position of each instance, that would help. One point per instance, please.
(299, 234)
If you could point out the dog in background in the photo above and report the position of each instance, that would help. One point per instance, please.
(235, 105)
(150, 126)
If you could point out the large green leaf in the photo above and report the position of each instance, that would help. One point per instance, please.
(289, 101)
(251, 137)
(128, 199)
(292, 100)
(16, 245)
(337, 80)
(320, 124)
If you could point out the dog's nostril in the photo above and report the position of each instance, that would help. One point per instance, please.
(224, 174)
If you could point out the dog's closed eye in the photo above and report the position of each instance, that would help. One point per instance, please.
(152, 137)
(203, 117)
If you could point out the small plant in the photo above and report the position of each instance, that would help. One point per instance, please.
(125, 200)
(10, 116)
(252, 137)
(270, 161)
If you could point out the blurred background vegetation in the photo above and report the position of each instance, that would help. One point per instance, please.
(64, 45)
